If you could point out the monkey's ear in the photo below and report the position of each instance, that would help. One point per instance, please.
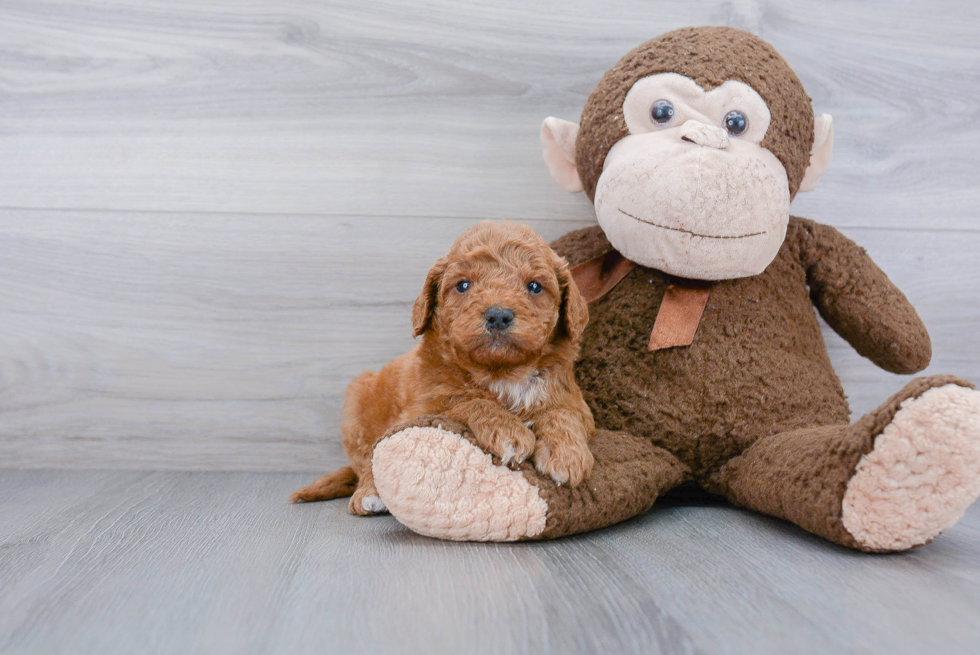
(558, 140)
(823, 146)
(574, 313)
(425, 304)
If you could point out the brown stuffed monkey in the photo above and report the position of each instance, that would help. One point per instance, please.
(703, 361)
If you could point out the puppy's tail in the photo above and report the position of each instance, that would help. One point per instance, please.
(338, 484)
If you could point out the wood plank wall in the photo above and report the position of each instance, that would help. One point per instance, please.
(213, 215)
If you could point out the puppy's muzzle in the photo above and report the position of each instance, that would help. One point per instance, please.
(498, 319)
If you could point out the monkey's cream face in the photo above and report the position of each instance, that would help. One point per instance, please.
(691, 191)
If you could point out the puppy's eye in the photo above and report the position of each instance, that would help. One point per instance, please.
(462, 286)
(534, 288)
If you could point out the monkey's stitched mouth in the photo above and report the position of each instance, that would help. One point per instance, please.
(693, 234)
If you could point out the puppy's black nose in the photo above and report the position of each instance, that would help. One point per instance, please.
(498, 318)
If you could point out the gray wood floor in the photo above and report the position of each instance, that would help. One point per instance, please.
(213, 215)
(196, 562)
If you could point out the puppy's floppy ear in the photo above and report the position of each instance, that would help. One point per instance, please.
(425, 304)
(574, 312)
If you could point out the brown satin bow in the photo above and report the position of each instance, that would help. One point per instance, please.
(680, 310)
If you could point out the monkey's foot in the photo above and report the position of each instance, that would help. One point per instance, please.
(440, 484)
(435, 480)
(922, 474)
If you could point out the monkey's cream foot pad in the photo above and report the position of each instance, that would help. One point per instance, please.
(921, 476)
(439, 484)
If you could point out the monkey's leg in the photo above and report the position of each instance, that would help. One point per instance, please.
(436, 481)
(895, 479)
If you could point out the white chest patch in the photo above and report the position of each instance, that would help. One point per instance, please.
(521, 394)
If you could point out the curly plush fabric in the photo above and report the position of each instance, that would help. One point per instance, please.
(710, 56)
(758, 364)
(437, 481)
(921, 476)
(803, 475)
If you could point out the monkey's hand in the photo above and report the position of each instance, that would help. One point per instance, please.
(562, 449)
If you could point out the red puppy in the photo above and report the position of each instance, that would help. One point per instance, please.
(500, 320)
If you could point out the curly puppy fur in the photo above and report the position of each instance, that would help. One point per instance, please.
(512, 384)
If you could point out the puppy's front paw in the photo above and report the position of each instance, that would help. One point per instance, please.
(565, 461)
(510, 441)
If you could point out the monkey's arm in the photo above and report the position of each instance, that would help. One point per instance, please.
(581, 245)
(858, 300)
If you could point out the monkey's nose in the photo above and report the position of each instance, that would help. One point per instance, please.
(498, 318)
(708, 136)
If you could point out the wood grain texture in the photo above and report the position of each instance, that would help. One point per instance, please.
(127, 562)
(216, 341)
(214, 215)
(433, 108)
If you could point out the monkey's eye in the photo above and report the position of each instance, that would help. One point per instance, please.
(534, 288)
(736, 123)
(662, 112)
(462, 286)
